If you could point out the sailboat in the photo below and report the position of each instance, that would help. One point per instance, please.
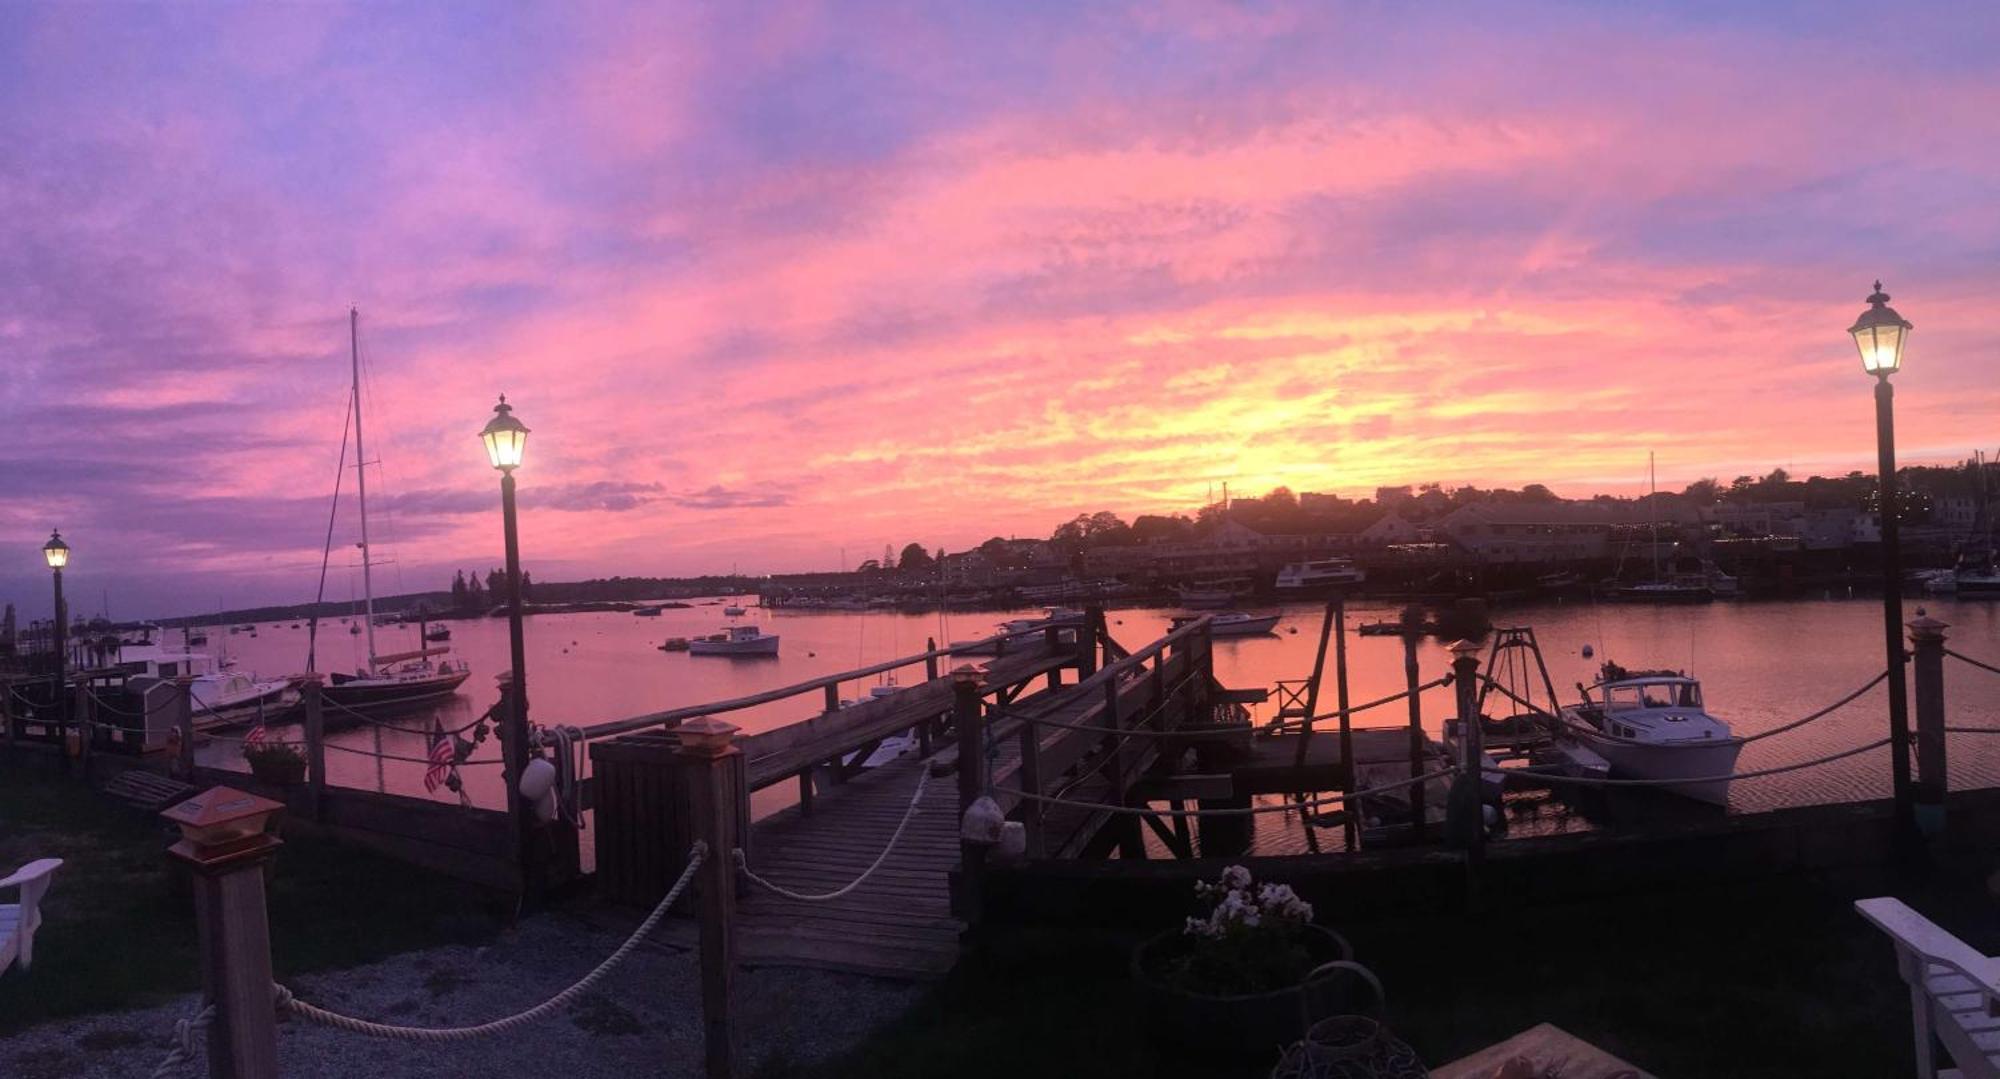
(1678, 588)
(399, 679)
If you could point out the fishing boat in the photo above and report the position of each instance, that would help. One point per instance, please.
(1680, 588)
(732, 611)
(1232, 623)
(437, 633)
(735, 641)
(1051, 616)
(220, 696)
(647, 612)
(401, 679)
(1653, 725)
(1214, 595)
(1319, 577)
(674, 644)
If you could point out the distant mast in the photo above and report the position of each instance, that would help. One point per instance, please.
(1652, 512)
(361, 478)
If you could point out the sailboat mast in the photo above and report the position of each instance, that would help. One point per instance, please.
(361, 478)
(1652, 514)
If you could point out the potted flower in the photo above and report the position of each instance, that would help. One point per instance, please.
(1240, 975)
(277, 763)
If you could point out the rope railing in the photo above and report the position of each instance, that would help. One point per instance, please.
(1442, 680)
(1040, 719)
(1979, 663)
(1594, 733)
(1593, 781)
(285, 1002)
(916, 798)
(1282, 807)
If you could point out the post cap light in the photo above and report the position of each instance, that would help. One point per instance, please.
(56, 551)
(223, 823)
(506, 437)
(706, 734)
(1879, 333)
(965, 674)
(1464, 649)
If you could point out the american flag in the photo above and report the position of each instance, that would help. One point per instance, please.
(255, 737)
(442, 756)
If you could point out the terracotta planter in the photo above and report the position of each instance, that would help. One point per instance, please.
(1247, 1022)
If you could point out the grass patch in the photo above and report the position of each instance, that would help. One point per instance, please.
(1776, 978)
(119, 926)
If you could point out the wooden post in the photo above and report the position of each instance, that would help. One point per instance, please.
(7, 715)
(1927, 640)
(930, 661)
(184, 723)
(832, 697)
(707, 745)
(1052, 640)
(86, 725)
(309, 697)
(1418, 744)
(226, 842)
(1349, 828)
(966, 707)
(1465, 679)
(1031, 780)
(1089, 639)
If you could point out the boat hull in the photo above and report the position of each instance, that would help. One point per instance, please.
(763, 646)
(1249, 627)
(1670, 761)
(386, 694)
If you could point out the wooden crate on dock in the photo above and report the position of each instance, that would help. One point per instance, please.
(645, 820)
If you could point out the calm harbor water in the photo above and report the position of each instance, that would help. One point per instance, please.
(1762, 665)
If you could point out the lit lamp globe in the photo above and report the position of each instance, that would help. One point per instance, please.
(56, 551)
(506, 438)
(1880, 333)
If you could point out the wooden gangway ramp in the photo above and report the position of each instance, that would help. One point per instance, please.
(898, 922)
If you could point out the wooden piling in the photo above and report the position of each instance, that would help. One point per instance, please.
(1350, 827)
(184, 723)
(707, 746)
(1465, 679)
(315, 722)
(1418, 743)
(85, 711)
(1927, 641)
(234, 930)
(966, 706)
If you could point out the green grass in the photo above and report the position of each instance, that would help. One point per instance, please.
(119, 929)
(1780, 978)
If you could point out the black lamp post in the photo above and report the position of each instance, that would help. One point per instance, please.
(506, 439)
(1880, 333)
(57, 553)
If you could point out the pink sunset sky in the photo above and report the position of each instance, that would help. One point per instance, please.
(771, 281)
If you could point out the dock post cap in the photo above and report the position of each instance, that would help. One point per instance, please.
(965, 674)
(223, 825)
(706, 734)
(1925, 628)
(1464, 649)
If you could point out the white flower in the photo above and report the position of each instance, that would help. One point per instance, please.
(1236, 877)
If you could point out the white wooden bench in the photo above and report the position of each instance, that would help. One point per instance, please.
(1954, 991)
(18, 921)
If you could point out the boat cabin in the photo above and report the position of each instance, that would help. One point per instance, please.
(1651, 693)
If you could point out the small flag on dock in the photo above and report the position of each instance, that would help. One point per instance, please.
(442, 756)
(255, 737)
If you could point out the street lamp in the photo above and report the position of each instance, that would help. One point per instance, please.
(1880, 334)
(57, 554)
(506, 439)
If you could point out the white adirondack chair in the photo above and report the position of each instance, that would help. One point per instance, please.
(18, 921)
(1954, 992)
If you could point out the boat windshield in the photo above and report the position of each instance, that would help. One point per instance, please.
(1653, 695)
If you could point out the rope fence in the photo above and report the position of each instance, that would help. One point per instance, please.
(1743, 740)
(1245, 811)
(285, 1002)
(1979, 663)
(916, 798)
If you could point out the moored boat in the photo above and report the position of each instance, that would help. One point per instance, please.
(1319, 577)
(735, 641)
(1232, 623)
(1653, 725)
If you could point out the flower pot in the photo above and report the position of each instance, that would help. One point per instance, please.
(1245, 1022)
(279, 771)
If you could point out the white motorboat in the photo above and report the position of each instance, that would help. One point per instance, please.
(735, 641)
(1232, 623)
(1652, 725)
(1319, 576)
(220, 696)
(733, 611)
(1051, 616)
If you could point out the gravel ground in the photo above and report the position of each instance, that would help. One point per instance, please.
(642, 1019)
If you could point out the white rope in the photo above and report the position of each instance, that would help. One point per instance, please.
(185, 1030)
(1283, 807)
(1590, 781)
(916, 796)
(311, 1013)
